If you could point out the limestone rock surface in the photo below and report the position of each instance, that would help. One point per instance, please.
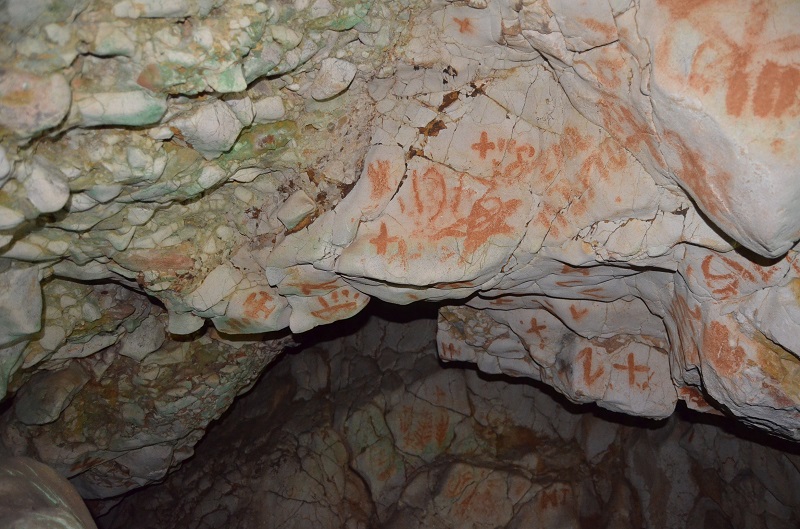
(114, 411)
(365, 430)
(34, 496)
(601, 196)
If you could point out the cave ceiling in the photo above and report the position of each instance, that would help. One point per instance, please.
(600, 196)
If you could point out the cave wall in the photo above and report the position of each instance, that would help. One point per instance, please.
(363, 428)
(601, 195)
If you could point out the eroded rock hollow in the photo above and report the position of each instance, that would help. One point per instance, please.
(599, 197)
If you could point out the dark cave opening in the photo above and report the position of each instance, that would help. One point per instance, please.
(361, 425)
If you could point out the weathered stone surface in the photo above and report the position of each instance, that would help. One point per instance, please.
(45, 187)
(30, 104)
(20, 304)
(334, 76)
(121, 108)
(739, 143)
(366, 430)
(5, 165)
(600, 196)
(145, 339)
(47, 394)
(295, 209)
(269, 109)
(210, 129)
(110, 408)
(34, 496)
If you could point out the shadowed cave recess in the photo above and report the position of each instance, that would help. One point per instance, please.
(362, 426)
(399, 263)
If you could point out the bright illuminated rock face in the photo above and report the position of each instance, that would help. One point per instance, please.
(603, 195)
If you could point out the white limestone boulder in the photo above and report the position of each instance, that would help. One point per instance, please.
(133, 109)
(333, 78)
(46, 187)
(30, 104)
(210, 128)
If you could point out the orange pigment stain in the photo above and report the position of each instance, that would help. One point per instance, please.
(588, 377)
(378, 174)
(632, 368)
(577, 314)
(257, 305)
(725, 358)
(464, 25)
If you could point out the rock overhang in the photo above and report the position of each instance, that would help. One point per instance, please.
(585, 183)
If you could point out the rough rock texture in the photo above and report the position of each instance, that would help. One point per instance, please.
(115, 401)
(366, 430)
(34, 496)
(602, 194)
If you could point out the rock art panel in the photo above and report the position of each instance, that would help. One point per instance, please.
(601, 197)
(689, 108)
(623, 373)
